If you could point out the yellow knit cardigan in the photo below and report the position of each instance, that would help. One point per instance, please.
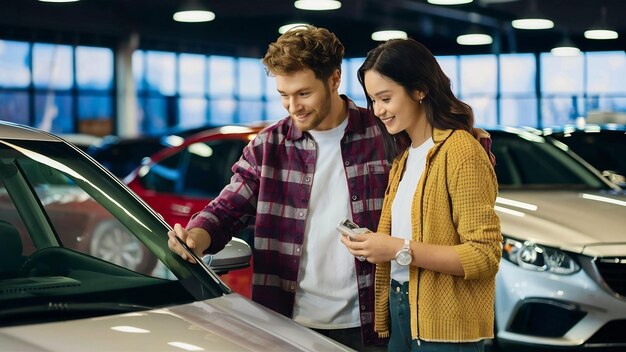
(453, 205)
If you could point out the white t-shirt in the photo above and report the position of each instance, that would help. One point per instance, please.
(327, 296)
(402, 203)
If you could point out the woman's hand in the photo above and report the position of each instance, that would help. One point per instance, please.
(375, 247)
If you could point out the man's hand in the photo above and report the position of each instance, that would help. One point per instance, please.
(197, 239)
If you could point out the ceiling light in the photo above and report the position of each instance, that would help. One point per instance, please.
(565, 48)
(601, 31)
(532, 23)
(449, 2)
(565, 51)
(385, 35)
(532, 20)
(284, 28)
(317, 5)
(601, 34)
(193, 12)
(474, 39)
(58, 0)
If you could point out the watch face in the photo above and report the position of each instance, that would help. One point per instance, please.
(404, 257)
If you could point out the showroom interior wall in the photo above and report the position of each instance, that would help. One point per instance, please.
(127, 90)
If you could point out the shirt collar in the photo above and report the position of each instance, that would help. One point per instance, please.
(441, 135)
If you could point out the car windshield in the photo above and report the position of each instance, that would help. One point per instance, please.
(605, 149)
(73, 239)
(527, 161)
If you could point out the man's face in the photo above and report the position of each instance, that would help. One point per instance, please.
(306, 98)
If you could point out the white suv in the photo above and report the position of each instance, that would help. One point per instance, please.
(562, 279)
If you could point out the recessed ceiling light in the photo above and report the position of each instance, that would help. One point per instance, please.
(193, 16)
(317, 5)
(284, 28)
(449, 2)
(601, 34)
(532, 23)
(474, 39)
(385, 35)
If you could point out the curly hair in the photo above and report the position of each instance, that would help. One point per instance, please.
(305, 47)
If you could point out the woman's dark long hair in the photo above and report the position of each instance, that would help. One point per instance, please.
(411, 65)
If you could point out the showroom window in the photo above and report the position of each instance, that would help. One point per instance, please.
(250, 79)
(518, 93)
(562, 89)
(15, 78)
(94, 82)
(606, 86)
(478, 87)
(192, 85)
(68, 89)
(58, 88)
(450, 67)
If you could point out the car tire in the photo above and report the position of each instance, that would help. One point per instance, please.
(114, 243)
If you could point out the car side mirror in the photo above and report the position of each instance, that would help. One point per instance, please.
(236, 255)
(614, 177)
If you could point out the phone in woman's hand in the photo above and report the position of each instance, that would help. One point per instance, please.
(349, 228)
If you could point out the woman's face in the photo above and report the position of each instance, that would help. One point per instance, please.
(392, 104)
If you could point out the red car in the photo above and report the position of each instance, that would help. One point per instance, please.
(181, 180)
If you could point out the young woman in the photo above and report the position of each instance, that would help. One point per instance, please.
(438, 243)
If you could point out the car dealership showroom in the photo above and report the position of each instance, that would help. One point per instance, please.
(157, 188)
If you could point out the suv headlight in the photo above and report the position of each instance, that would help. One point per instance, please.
(531, 256)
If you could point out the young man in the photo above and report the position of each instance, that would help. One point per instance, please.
(297, 180)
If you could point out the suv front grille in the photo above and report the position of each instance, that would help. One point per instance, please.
(613, 272)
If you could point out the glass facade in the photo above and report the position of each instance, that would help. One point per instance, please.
(69, 89)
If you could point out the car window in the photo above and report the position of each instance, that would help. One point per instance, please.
(605, 151)
(71, 234)
(121, 157)
(201, 169)
(536, 162)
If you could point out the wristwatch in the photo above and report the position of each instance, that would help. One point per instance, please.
(404, 257)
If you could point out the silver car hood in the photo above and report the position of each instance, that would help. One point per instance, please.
(228, 323)
(592, 223)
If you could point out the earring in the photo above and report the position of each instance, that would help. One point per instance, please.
(421, 100)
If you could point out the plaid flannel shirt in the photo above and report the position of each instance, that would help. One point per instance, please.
(272, 186)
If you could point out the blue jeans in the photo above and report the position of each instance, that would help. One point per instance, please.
(400, 339)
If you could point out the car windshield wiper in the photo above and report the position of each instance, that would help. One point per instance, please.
(61, 311)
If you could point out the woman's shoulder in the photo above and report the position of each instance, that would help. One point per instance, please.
(462, 139)
(462, 146)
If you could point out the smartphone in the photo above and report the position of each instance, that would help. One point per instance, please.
(349, 228)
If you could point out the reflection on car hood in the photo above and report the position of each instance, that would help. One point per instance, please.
(228, 323)
(564, 219)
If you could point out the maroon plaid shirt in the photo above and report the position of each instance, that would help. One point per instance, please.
(272, 184)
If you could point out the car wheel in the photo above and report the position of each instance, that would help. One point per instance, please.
(114, 243)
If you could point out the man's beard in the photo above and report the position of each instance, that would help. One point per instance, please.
(319, 117)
